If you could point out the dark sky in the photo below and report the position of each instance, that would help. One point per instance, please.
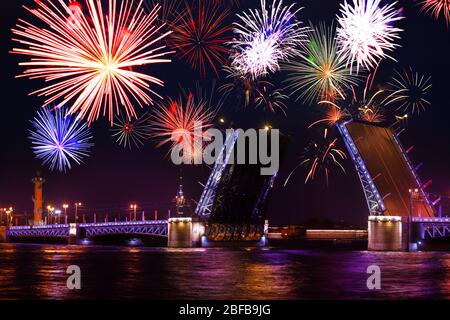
(113, 177)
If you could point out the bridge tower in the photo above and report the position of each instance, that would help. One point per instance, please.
(185, 229)
(38, 199)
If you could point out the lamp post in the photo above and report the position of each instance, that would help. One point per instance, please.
(50, 214)
(65, 206)
(78, 204)
(412, 194)
(134, 207)
(58, 216)
(9, 212)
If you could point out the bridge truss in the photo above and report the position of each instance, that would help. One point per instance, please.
(374, 200)
(206, 202)
(153, 228)
(48, 231)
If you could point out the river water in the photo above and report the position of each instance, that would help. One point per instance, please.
(39, 272)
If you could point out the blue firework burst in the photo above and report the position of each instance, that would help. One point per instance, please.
(60, 140)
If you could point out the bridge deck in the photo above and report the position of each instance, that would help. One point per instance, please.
(154, 228)
(393, 174)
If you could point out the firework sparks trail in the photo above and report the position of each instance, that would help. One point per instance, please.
(409, 91)
(367, 106)
(167, 11)
(319, 71)
(333, 115)
(366, 33)
(182, 123)
(131, 133)
(265, 37)
(270, 98)
(89, 58)
(200, 35)
(58, 139)
(436, 7)
(238, 86)
(320, 156)
(249, 91)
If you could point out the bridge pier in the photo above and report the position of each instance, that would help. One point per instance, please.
(2, 234)
(185, 232)
(388, 233)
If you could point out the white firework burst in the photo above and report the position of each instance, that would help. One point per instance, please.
(366, 33)
(265, 37)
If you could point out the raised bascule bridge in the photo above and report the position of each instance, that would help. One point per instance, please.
(233, 207)
(401, 213)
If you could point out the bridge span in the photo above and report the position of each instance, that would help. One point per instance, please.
(179, 232)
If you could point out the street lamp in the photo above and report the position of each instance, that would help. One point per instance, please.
(58, 215)
(412, 194)
(134, 207)
(78, 204)
(50, 210)
(8, 212)
(65, 206)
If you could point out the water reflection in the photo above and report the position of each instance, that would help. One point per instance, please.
(33, 271)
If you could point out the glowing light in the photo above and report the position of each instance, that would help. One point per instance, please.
(200, 35)
(320, 156)
(333, 115)
(270, 98)
(409, 91)
(436, 7)
(246, 91)
(265, 37)
(365, 32)
(58, 139)
(372, 113)
(131, 133)
(89, 59)
(319, 71)
(168, 8)
(182, 123)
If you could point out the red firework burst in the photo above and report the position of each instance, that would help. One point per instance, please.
(182, 123)
(436, 7)
(331, 116)
(320, 156)
(87, 54)
(200, 35)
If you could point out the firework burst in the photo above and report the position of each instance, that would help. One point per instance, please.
(319, 71)
(89, 59)
(365, 33)
(265, 37)
(372, 113)
(131, 133)
(409, 91)
(270, 98)
(200, 35)
(248, 91)
(238, 86)
(332, 115)
(436, 7)
(320, 156)
(168, 8)
(367, 105)
(59, 139)
(182, 124)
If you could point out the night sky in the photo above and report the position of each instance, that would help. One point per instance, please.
(113, 177)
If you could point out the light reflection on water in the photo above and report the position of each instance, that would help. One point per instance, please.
(39, 271)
